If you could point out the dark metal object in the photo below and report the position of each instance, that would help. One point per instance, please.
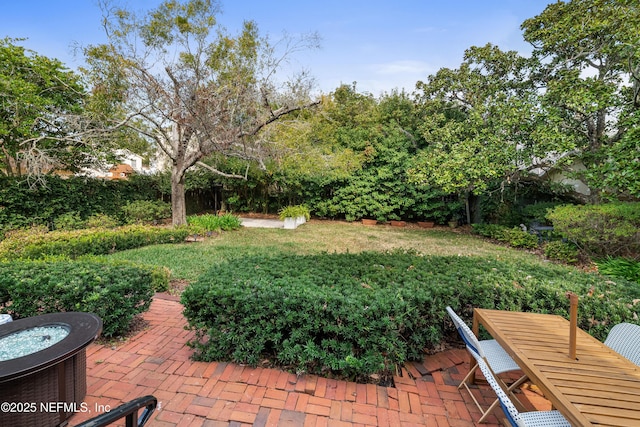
(128, 410)
(542, 231)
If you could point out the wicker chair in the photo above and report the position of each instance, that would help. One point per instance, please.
(624, 338)
(496, 357)
(520, 419)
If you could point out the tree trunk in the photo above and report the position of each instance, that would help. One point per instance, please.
(467, 208)
(476, 209)
(178, 204)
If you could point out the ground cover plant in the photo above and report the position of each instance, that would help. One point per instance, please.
(362, 315)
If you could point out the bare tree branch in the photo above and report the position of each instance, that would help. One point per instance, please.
(197, 90)
(219, 172)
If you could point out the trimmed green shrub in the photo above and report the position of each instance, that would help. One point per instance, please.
(493, 231)
(87, 242)
(114, 292)
(515, 236)
(354, 315)
(562, 252)
(146, 211)
(22, 205)
(24, 233)
(160, 276)
(518, 238)
(611, 229)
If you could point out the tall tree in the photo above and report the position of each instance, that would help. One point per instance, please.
(192, 88)
(589, 67)
(38, 95)
(482, 124)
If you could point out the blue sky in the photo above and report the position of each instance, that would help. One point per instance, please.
(381, 45)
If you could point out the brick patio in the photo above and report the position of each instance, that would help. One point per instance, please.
(156, 361)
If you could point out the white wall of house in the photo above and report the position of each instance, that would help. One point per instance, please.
(578, 186)
(126, 157)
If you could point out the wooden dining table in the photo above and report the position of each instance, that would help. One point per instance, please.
(597, 388)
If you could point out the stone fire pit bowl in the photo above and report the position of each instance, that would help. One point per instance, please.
(43, 367)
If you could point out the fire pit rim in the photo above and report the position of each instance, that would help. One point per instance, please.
(84, 328)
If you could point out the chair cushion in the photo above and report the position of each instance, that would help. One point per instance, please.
(543, 419)
(498, 358)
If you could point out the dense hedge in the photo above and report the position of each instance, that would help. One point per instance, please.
(358, 314)
(22, 204)
(146, 211)
(114, 292)
(611, 229)
(35, 245)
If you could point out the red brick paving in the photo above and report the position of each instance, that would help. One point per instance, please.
(156, 361)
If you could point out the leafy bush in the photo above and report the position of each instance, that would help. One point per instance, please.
(146, 211)
(562, 252)
(519, 238)
(611, 229)
(620, 267)
(493, 231)
(72, 221)
(202, 224)
(116, 293)
(87, 242)
(22, 233)
(354, 315)
(515, 237)
(537, 213)
(160, 276)
(68, 221)
(101, 221)
(229, 222)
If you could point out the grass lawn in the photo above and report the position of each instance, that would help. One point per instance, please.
(188, 261)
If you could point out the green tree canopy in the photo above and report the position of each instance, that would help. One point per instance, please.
(589, 66)
(480, 123)
(501, 118)
(39, 99)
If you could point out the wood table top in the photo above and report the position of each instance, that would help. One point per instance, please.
(599, 387)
